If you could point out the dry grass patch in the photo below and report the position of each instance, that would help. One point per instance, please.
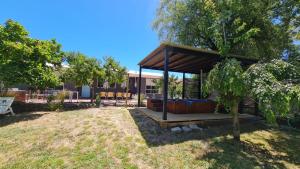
(118, 138)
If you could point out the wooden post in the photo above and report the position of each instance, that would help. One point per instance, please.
(201, 83)
(199, 86)
(166, 82)
(183, 86)
(127, 88)
(139, 88)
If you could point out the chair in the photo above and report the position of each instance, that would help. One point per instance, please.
(5, 105)
(103, 95)
(127, 95)
(119, 95)
(110, 95)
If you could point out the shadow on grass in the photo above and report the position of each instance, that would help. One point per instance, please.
(8, 119)
(222, 152)
(248, 155)
(154, 135)
(21, 107)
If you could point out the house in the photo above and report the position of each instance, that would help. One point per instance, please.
(148, 87)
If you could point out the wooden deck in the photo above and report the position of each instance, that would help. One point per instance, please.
(185, 119)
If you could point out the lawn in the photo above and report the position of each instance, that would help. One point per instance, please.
(118, 138)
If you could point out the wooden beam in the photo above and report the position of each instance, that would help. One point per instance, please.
(153, 54)
(188, 64)
(196, 66)
(166, 82)
(185, 58)
(161, 61)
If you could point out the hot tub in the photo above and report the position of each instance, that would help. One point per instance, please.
(184, 106)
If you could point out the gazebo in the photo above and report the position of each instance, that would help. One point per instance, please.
(182, 59)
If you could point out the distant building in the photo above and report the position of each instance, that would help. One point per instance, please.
(148, 88)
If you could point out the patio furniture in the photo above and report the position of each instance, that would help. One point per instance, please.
(5, 105)
(103, 95)
(119, 95)
(127, 95)
(110, 95)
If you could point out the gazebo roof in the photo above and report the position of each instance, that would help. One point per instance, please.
(186, 59)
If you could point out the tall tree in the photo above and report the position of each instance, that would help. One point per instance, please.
(83, 71)
(227, 78)
(114, 72)
(269, 83)
(254, 28)
(24, 60)
(261, 29)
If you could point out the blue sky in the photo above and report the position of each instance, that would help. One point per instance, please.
(97, 28)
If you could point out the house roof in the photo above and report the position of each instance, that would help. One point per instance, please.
(187, 59)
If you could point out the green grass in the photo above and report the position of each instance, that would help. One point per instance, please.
(118, 138)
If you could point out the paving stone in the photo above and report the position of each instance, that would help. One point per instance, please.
(186, 129)
(176, 130)
(195, 127)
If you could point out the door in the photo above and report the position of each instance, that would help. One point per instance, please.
(86, 91)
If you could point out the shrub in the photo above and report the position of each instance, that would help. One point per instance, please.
(56, 102)
(98, 101)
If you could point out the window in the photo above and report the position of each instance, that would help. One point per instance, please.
(151, 90)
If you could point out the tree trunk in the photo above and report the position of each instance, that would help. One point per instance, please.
(127, 88)
(93, 94)
(236, 124)
(116, 94)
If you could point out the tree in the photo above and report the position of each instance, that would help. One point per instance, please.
(114, 72)
(174, 86)
(227, 78)
(255, 28)
(261, 29)
(24, 60)
(269, 83)
(83, 71)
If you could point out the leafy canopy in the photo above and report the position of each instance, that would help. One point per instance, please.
(114, 72)
(82, 70)
(270, 84)
(261, 29)
(24, 60)
(227, 79)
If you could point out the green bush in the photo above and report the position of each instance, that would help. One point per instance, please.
(98, 101)
(56, 102)
(50, 98)
(61, 96)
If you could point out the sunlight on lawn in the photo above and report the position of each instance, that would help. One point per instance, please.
(118, 138)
